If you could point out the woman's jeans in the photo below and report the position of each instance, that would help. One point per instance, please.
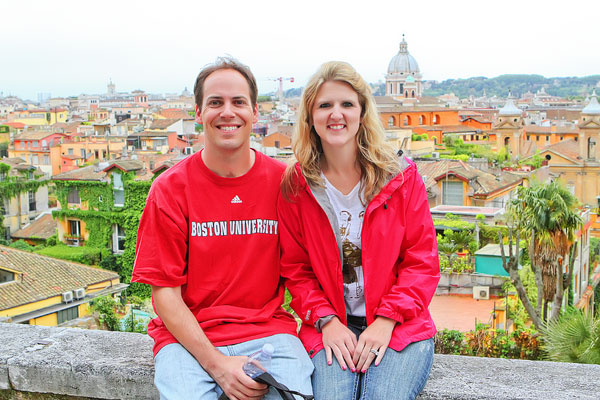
(400, 375)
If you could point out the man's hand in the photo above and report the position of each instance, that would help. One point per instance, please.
(228, 374)
(340, 340)
(374, 339)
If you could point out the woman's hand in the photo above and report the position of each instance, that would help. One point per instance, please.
(374, 339)
(340, 341)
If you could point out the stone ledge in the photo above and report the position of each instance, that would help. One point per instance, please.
(67, 363)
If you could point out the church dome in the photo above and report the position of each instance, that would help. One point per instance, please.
(593, 107)
(403, 62)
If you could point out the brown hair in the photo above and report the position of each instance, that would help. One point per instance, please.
(225, 63)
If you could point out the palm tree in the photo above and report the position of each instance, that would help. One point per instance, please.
(574, 337)
(547, 214)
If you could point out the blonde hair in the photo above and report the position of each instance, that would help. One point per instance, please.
(376, 158)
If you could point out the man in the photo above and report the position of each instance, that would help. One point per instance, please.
(208, 245)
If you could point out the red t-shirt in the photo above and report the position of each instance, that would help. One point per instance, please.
(218, 239)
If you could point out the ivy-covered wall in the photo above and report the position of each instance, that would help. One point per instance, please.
(13, 186)
(102, 214)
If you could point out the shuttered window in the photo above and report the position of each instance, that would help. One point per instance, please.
(452, 193)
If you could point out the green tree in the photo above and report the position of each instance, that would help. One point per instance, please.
(106, 307)
(547, 215)
(574, 337)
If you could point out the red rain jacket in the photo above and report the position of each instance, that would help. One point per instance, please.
(399, 258)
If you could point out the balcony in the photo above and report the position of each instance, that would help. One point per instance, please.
(73, 363)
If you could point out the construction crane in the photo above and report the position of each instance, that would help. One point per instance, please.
(280, 91)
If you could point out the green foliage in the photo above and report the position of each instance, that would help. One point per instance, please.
(101, 217)
(518, 83)
(262, 99)
(574, 337)
(516, 311)
(106, 307)
(22, 245)
(461, 157)
(416, 138)
(450, 342)
(483, 342)
(84, 254)
(535, 161)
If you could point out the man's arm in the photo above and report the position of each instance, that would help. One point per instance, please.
(226, 371)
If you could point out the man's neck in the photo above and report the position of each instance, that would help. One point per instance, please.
(228, 164)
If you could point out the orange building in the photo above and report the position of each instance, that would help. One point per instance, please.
(278, 140)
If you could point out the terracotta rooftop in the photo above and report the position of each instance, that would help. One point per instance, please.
(89, 173)
(42, 227)
(483, 183)
(163, 123)
(36, 135)
(176, 113)
(125, 165)
(40, 277)
(550, 129)
(567, 148)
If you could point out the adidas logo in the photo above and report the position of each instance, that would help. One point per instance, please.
(236, 200)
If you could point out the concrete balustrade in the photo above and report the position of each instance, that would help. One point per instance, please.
(65, 363)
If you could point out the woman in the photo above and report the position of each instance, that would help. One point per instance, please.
(358, 246)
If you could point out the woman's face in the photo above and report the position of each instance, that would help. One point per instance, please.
(336, 115)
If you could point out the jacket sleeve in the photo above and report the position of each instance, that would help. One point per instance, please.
(417, 268)
(308, 299)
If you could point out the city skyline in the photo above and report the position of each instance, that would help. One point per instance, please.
(67, 48)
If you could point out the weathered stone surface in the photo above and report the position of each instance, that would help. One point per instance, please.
(76, 362)
(61, 362)
(471, 378)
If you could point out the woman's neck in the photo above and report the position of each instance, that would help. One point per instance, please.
(341, 169)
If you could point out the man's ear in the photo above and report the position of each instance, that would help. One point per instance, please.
(198, 114)
(255, 118)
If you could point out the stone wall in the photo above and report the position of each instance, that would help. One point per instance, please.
(44, 363)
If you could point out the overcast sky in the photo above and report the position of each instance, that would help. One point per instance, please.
(72, 47)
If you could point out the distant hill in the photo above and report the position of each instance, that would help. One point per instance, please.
(498, 86)
(518, 84)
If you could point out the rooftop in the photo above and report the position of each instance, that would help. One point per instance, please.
(40, 277)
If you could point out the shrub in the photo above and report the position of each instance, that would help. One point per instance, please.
(85, 254)
(22, 245)
(106, 307)
(450, 342)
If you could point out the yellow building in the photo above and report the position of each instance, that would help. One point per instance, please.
(39, 117)
(456, 183)
(577, 162)
(39, 290)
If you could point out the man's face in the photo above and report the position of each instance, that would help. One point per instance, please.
(227, 113)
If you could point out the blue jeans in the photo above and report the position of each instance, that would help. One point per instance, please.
(400, 375)
(178, 375)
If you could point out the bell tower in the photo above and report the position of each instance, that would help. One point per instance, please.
(508, 128)
(589, 131)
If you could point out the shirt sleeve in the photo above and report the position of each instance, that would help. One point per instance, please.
(162, 242)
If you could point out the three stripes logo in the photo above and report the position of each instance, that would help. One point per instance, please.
(236, 200)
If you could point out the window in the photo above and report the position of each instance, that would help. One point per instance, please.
(118, 190)
(118, 239)
(6, 276)
(73, 197)
(82, 153)
(452, 193)
(46, 159)
(537, 138)
(277, 143)
(74, 227)
(31, 200)
(70, 151)
(44, 143)
(67, 315)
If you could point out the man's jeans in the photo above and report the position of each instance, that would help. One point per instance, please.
(178, 375)
(400, 375)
